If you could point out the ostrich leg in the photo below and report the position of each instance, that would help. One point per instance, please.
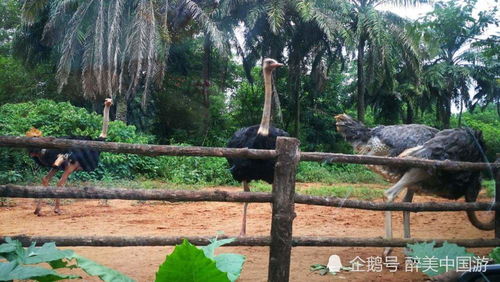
(45, 182)
(406, 214)
(406, 217)
(62, 182)
(246, 188)
(411, 177)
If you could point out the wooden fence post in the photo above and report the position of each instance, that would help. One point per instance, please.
(283, 208)
(496, 171)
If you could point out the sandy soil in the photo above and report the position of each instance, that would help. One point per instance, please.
(88, 217)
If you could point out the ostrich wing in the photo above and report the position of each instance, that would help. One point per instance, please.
(398, 138)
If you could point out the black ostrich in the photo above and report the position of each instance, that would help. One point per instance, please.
(69, 160)
(261, 136)
(462, 144)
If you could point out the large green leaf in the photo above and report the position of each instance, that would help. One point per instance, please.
(232, 264)
(18, 257)
(94, 269)
(12, 270)
(426, 255)
(189, 264)
(46, 253)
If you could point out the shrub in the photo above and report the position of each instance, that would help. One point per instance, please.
(60, 119)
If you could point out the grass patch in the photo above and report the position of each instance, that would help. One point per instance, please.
(363, 193)
(336, 173)
(260, 186)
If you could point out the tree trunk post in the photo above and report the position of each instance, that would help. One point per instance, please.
(497, 197)
(283, 208)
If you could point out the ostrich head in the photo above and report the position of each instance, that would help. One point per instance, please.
(108, 102)
(270, 64)
(33, 132)
(353, 131)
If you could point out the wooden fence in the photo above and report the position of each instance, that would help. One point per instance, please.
(283, 197)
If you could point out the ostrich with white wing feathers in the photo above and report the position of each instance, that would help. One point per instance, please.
(423, 142)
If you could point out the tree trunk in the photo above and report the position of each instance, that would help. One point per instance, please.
(446, 112)
(361, 79)
(294, 89)
(409, 113)
(121, 109)
(460, 115)
(207, 51)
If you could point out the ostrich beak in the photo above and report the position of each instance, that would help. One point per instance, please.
(277, 65)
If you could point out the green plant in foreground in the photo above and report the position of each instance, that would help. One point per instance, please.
(427, 250)
(495, 255)
(187, 263)
(19, 260)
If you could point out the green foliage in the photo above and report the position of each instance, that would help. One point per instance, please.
(334, 173)
(489, 186)
(488, 122)
(495, 255)
(19, 258)
(62, 119)
(195, 170)
(423, 252)
(232, 264)
(189, 264)
(94, 269)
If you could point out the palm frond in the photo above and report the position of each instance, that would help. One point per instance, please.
(68, 45)
(114, 46)
(31, 9)
(275, 15)
(199, 15)
(99, 49)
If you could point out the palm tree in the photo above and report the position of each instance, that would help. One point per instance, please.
(366, 22)
(301, 28)
(117, 48)
(449, 30)
(485, 70)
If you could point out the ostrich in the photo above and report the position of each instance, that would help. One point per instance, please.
(461, 144)
(68, 160)
(261, 136)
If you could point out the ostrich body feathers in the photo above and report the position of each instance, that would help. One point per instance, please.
(87, 158)
(253, 169)
(459, 144)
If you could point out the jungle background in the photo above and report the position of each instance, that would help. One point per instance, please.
(187, 72)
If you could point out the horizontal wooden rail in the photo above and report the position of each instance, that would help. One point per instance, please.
(158, 150)
(394, 206)
(126, 241)
(399, 162)
(16, 191)
(139, 149)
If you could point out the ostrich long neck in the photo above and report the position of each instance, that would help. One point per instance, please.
(266, 113)
(105, 122)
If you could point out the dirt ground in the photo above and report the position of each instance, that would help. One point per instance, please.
(130, 218)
